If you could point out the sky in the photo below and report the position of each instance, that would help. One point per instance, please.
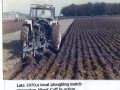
(23, 6)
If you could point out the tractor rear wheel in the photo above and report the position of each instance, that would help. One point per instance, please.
(56, 37)
(24, 39)
(24, 35)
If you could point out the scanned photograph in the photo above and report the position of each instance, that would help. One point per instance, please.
(61, 39)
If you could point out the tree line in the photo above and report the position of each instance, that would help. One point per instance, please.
(91, 9)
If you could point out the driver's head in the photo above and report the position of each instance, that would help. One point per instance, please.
(42, 15)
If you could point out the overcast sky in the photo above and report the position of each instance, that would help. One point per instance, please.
(23, 6)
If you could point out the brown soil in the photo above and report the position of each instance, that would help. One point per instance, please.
(89, 50)
(11, 26)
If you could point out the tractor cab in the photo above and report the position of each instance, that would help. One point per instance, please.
(42, 12)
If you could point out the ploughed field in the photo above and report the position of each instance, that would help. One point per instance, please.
(89, 50)
(11, 26)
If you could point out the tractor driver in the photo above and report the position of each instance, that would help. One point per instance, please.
(42, 15)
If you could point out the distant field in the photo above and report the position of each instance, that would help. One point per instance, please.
(98, 16)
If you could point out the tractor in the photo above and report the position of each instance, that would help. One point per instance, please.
(40, 30)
